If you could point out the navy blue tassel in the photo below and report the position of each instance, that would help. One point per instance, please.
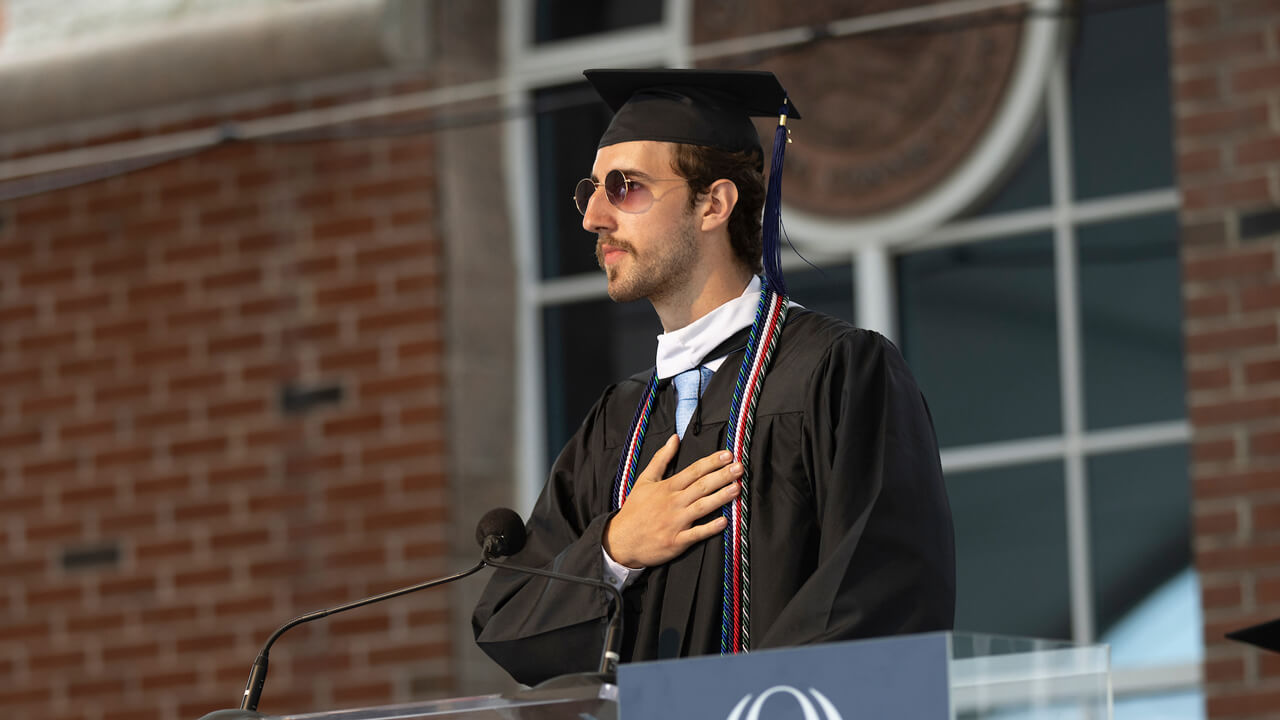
(772, 223)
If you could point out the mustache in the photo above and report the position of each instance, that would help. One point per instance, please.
(602, 240)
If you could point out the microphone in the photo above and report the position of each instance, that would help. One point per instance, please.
(501, 533)
(258, 674)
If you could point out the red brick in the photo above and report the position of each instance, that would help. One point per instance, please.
(215, 217)
(1224, 670)
(1216, 450)
(45, 468)
(421, 482)
(82, 302)
(1259, 77)
(325, 330)
(42, 214)
(389, 519)
(193, 252)
(1210, 485)
(1239, 45)
(1266, 297)
(165, 291)
(421, 415)
(273, 502)
(358, 558)
(413, 349)
(56, 660)
(342, 228)
(1266, 516)
(381, 190)
(44, 531)
(316, 461)
(403, 654)
(1234, 193)
(241, 342)
(169, 614)
(127, 521)
(246, 537)
(198, 318)
(118, 456)
(88, 495)
(19, 377)
(32, 630)
(431, 550)
(45, 277)
(339, 495)
(1265, 443)
(38, 695)
(1233, 411)
(251, 605)
(58, 341)
(355, 425)
(209, 510)
(414, 216)
(1207, 306)
(164, 417)
(237, 408)
(201, 189)
(130, 329)
(206, 643)
(101, 365)
(232, 279)
(155, 228)
(1218, 340)
(1253, 9)
(128, 262)
(117, 393)
(345, 295)
(428, 617)
(360, 624)
(21, 567)
(197, 381)
(161, 355)
(170, 484)
(18, 439)
(271, 371)
(162, 549)
(47, 595)
(11, 315)
(1223, 596)
(164, 680)
(78, 241)
(265, 306)
(399, 384)
(1242, 703)
(131, 586)
(259, 241)
(181, 449)
(1203, 88)
(399, 255)
(359, 358)
(1191, 162)
(373, 323)
(373, 454)
(203, 576)
(95, 622)
(319, 265)
(1262, 371)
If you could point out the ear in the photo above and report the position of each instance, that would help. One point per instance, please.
(720, 200)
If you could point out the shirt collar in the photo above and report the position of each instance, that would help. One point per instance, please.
(686, 348)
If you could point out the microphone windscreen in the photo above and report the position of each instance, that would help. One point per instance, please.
(506, 526)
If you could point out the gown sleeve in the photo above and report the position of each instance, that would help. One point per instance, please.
(537, 628)
(886, 553)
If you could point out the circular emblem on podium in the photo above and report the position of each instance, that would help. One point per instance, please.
(820, 708)
(896, 115)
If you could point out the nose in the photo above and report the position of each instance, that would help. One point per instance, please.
(599, 216)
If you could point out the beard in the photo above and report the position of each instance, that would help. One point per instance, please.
(654, 274)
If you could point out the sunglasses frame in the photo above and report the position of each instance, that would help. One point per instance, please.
(618, 198)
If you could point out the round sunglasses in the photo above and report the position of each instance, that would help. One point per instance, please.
(629, 196)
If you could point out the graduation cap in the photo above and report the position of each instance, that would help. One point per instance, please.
(710, 108)
(1265, 635)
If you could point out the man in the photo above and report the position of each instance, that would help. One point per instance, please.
(775, 479)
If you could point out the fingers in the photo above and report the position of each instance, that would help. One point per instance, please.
(700, 468)
(714, 501)
(657, 467)
(698, 533)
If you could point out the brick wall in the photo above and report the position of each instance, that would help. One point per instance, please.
(1227, 95)
(160, 512)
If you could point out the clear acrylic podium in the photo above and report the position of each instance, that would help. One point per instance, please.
(949, 676)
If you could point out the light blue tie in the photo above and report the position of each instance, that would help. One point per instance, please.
(689, 385)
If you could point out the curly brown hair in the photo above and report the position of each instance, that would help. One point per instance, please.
(702, 166)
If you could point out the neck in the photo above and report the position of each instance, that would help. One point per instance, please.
(700, 296)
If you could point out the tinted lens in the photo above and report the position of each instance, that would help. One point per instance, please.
(615, 186)
(582, 194)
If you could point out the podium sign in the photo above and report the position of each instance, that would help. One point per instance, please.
(839, 681)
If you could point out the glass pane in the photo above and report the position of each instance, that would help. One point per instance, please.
(560, 19)
(1122, 131)
(1011, 551)
(1172, 706)
(1131, 321)
(979, 328)
(588, 346)
(827, 289)
(569, 123)
(1146, 597)
(1027, 185)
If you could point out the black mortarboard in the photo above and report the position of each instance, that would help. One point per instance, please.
(711, 108)
(1264, 635)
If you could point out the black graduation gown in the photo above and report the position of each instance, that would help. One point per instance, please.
(850, 528)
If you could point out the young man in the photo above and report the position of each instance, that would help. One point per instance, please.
(775, 479)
